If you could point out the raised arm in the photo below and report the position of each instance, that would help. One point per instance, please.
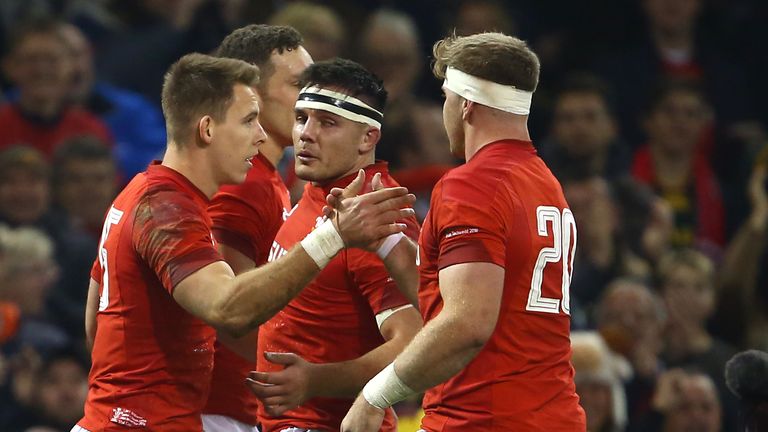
(238, 304)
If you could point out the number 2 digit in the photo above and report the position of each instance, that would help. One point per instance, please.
(563, 249)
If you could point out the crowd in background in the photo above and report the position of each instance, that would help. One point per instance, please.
(649, 112)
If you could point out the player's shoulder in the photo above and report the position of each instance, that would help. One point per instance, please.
(467, 183)
(166, 201)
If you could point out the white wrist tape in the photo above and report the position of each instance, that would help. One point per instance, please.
(323, 243)
(389, 243)
(386, 388)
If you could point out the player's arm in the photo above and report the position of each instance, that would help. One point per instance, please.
(91, 308)
(401, 265)
(398, 252)
(471, 301)
(301, 380)
(239, 304)
(244, 346)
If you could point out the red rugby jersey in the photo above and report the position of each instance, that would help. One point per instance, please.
(333, 318)
(152, 360)
(245, 217)
(505, 207)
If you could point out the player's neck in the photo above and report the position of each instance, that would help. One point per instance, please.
(191, 165)
(272, 151)
(485, 129)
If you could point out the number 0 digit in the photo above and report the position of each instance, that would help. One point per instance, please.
(563, 249)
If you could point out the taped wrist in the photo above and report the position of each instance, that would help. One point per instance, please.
(323, 243)
(386, 388)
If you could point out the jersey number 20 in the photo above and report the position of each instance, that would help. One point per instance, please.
(563, 249)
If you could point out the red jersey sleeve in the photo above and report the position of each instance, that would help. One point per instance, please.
(171, 235)
(245, 224)
(96, 271)
(372, 278)
(373, 281)
(469, 227)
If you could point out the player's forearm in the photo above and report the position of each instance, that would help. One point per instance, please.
(255, 296)
(345, 379)
(401, 265)
(438, 352)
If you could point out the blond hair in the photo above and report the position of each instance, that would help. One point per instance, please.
(495, 57)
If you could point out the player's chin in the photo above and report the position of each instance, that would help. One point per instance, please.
(307, 173)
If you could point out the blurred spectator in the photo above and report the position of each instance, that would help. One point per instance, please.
(322, 29)
(599, 382)
(601, 255)
(152, 34)
(85, 183)
(25, 199)
(40, 66)
(584, 134)
(630, 317)
(676, 45)
(137, 125)
(673, 165)
(647, 221)
(747, 377)
(687, 284)
(389, 47)
(29, 272)
(61, 389)
(684, 401)
(24, 186)
(478, 16)
(743, 317)
(17, 390)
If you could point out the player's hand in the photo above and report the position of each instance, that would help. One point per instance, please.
(362, 220)
(362, 417)
(286, 389)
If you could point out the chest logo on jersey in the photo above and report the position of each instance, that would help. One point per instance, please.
(276, 251)
(463, 231)
(288, 213)
(126, 417)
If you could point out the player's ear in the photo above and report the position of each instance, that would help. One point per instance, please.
(467, 106)
(205, 130)
(369, 141)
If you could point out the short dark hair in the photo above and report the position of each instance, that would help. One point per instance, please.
(84, 148)
(23, 157)
(668, 86)
(42, 24)
(494, 57)
(255, 44)
(198, 84)
(586, 83)
(348, 76)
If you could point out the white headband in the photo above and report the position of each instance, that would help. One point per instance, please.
(346, 106)
(502, 97)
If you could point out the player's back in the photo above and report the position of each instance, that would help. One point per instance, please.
(151, 358)
(506, 199)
